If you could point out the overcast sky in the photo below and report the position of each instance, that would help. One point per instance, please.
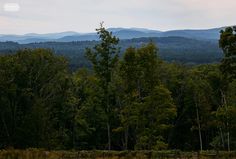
(43, 16)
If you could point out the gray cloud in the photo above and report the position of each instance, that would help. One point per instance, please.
(84, 15)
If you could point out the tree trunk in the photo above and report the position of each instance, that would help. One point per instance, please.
(199, 127)
(228, 139)
(6, 129)
(109, 135)
(224, 103)
(126, 138)
(222, 139)
(139, 89)
(108, 111)
(74, 129)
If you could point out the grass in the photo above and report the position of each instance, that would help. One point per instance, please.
(42, 154)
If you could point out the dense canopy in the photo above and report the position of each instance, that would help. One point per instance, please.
(137, 101)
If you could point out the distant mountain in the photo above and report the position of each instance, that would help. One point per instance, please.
(122, 33)
(130, 34)
(52, 35)
(15, 38)
(83, 37)
(33, 40)
(144, 30)
(32, 37)
(194, 34)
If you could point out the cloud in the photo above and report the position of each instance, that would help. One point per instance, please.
(11, 7)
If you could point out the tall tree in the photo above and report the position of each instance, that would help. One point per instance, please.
(228, 44)
(128, 88)
(142, 99)
(104, 58)
(228, 68)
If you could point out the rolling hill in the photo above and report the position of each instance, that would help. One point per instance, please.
(172, 49)
(122, 33)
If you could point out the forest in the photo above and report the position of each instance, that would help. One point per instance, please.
(129, 99)
(182, 50)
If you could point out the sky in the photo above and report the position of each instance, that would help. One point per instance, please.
(47, 16)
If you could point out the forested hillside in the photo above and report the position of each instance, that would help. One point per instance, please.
(128, 99)
(171, 49)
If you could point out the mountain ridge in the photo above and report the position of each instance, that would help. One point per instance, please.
(122, 33)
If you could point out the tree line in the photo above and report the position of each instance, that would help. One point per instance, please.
(135, 102)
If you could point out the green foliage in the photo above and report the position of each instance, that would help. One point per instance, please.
(155, 114)
(104, 58)
(143, 100)
(228, 44)
(91, 117)
(136, 102)
(35, 99)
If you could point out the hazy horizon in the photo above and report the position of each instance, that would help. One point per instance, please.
(94, 31)
(83, 16)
